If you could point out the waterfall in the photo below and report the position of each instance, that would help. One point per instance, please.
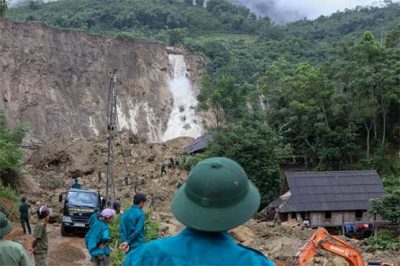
(262, 102)
(129, 119)
(183, 120)
(92, 125)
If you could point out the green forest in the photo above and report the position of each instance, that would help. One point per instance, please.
(323, 94)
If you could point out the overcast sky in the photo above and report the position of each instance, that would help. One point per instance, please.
(289, 10)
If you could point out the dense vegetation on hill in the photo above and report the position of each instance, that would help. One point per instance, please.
(144, 18)
(325, 92)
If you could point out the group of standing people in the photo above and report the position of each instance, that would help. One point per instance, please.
(216, 197)
(13, 253)
(131, 231)
(171, 164)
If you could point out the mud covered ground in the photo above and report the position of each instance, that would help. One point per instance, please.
(62, 250)
(48, 170)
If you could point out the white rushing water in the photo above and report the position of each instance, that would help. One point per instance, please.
(183, 120)
(129, 119)
(262, 102)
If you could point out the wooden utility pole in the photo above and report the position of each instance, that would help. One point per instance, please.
(111, 126)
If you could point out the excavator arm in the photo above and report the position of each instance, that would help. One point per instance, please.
(321, 239)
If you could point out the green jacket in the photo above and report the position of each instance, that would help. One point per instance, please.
(12, 253)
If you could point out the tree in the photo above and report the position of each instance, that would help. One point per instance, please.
(307, 109)
(223, 97)
(388, 207)
(3, 8)
(10, 152)
(255, 146)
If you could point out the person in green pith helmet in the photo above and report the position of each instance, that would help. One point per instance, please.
(11, 253)
(216, 197)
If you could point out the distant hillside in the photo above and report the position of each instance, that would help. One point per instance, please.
(141, 17)
(236, 40)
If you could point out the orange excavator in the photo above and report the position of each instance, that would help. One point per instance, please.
(321, 239)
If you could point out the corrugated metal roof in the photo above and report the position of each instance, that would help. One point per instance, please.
(332, 191)
(199, 144)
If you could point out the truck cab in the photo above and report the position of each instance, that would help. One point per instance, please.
(79, 205)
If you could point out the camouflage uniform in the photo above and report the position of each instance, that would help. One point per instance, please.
(41, 247)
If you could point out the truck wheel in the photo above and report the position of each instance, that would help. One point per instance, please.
(64, 231)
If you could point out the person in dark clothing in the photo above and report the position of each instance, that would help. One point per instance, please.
(24, 215)
(163, 171)
(76, 184)
(172, 162)
(109, 202)
(103, 202)
(99, 175)
(117, 205)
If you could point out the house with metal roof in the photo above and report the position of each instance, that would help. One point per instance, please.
(329, 199)
(199, 144)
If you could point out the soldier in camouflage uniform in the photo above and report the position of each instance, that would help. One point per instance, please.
(40, 243)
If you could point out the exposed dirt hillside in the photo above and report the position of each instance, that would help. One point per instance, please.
(57, 82)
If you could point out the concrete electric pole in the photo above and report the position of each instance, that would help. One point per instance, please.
(111, 126)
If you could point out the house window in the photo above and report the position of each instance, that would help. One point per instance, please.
(328, 215)
(359, 214)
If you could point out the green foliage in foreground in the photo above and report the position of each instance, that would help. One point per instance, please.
(386, 240)
(10, 151)
(3, 8)
(150, 229)
(388, 207)
(8, 192)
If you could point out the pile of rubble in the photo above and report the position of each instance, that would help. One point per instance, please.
(49, 171)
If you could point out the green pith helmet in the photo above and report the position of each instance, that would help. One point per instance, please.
(216, 197)
(5, 225)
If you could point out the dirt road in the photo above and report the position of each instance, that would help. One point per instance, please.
(69, 251)
(63, 251)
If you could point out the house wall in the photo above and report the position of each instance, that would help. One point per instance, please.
(318, 218)
(339, 218)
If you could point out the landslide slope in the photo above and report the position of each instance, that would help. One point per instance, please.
(57, 82)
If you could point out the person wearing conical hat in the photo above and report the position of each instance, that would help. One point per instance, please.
(216, 197)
